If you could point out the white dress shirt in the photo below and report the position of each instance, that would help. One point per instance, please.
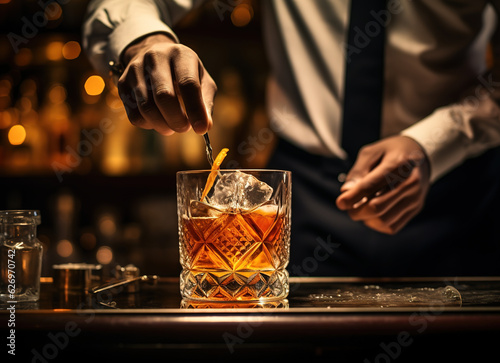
(438, 89)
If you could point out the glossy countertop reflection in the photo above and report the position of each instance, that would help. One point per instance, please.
(306, 294)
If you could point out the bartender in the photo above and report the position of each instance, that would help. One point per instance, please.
(391, 129)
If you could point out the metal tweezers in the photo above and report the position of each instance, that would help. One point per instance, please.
(208, 149)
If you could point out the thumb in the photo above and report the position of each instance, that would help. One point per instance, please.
(365, 162)
(348, 184)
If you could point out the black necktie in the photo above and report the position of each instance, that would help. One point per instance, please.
(364, 74)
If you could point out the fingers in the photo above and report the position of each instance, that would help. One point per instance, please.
(376, 170)
(378, 206)
(387, 185)
(165, 94)
(127, 95)
(389, 207)
(367, 159)
(393, 227)
(166, 88)
(139, 101)
(390, 211)
(376, 181)
(208, 90)
(187, 75)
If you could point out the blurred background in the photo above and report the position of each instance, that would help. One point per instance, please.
(106, 189)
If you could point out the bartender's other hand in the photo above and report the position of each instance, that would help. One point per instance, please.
(387, 184)
(165, 87)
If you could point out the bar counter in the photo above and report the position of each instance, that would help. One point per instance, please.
(323, 319)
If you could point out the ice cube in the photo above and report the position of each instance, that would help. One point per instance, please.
(239, 191)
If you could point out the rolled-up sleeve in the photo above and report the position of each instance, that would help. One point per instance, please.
(111, 25)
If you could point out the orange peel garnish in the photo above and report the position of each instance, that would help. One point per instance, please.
(213, 173)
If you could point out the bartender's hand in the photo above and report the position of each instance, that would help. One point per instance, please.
(159, 76)
(387, 184)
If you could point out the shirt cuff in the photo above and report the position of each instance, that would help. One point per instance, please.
(442, 140)
(130, 30)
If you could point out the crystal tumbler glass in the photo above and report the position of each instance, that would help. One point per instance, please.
(235, 243)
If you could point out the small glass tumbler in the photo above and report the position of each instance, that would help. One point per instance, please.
(232, 254)
(20, 256)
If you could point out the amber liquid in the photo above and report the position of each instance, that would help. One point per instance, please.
(235, 256)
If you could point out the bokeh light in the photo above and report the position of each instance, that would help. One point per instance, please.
(192, 150)
(25, 104)
(242, 15)
(53, 11)
(17, 135)
(57, 94)
(94, 85)
(5, 119)
(53, 51)
(71, 50)
(64, 248)
(104, 255)
(107, 225)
